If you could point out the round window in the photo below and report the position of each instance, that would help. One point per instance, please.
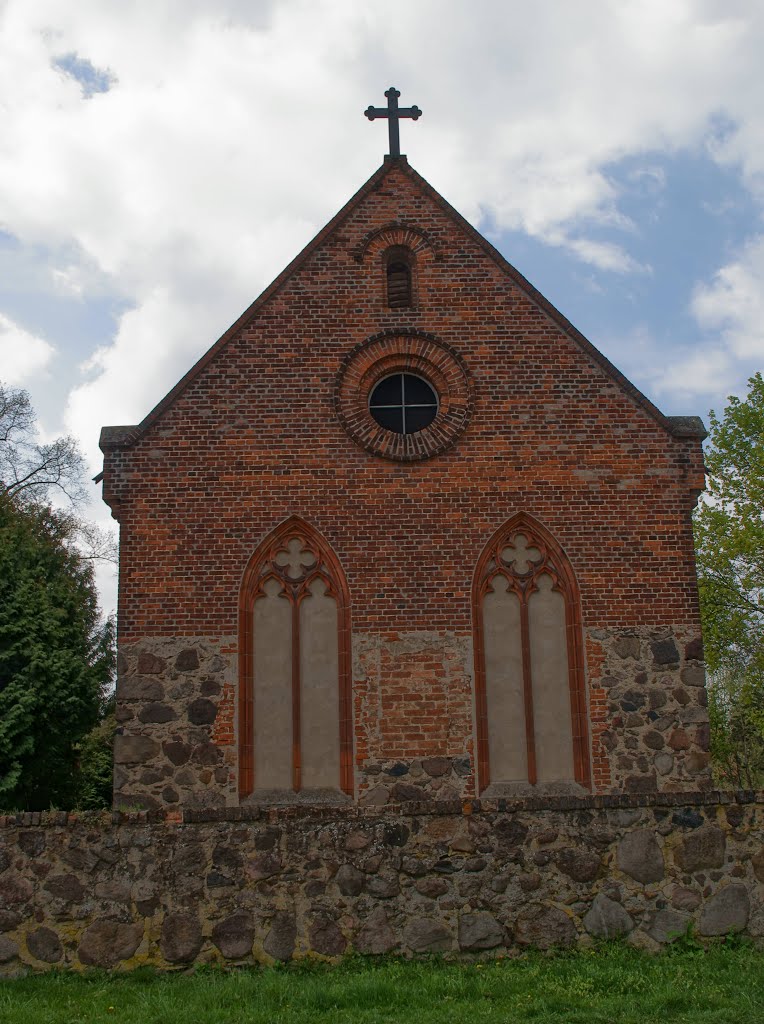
(403, 396)
(403, 403)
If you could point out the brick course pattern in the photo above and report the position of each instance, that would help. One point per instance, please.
(469, 879)
(251, 436)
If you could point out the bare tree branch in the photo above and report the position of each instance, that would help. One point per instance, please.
(29, 471)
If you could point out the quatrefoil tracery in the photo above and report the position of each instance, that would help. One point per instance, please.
(294, 567)
(524, 562)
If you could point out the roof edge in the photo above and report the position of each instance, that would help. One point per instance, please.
(557, 317)
(687, 426)
(112, 437)
(115, 437)
(118, 437)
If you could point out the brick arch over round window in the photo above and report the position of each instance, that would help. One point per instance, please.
(295, 708)
(532, 720)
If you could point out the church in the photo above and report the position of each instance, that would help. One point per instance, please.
(404, 534)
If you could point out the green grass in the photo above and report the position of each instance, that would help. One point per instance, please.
(611, 985)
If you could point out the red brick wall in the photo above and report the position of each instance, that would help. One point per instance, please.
(255, 438)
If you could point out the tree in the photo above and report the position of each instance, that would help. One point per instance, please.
(56, 656)
(736, 714)
(29, 471)
(729, 536)
(95, 761)
(56, 652)
(32, 473)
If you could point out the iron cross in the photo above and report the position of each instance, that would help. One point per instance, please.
(393, 113)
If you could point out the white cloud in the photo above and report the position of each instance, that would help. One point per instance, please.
(649, 178)
(733, 302)
(729, 313)
(689, 375)
(605, 255)
(231, 131)
(683, 375)
(22, 355)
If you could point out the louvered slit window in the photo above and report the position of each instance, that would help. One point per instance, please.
(399, 265)
(398, 284)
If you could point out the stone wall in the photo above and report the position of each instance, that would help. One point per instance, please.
(175, 742)
(244, 885)
(648, 706)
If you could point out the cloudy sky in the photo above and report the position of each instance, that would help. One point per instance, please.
(162, 160)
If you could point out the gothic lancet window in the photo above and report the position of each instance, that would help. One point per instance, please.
(295, 726)
(531, 710)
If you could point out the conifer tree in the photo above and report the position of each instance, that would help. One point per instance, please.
(55, 657)
(56, 652)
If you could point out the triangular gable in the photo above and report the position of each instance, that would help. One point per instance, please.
(690, 426)
(678, 426)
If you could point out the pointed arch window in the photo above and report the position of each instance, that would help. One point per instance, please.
(295, 711)
(532, 721)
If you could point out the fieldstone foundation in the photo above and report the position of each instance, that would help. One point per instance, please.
(649, 712)
(175, 742)
(244, 885)
(413, 725)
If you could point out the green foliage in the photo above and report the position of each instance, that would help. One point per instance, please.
(736, 714)
(607, 985)
(729, 537)
(685, 943)
(93, 777)
(56, 656)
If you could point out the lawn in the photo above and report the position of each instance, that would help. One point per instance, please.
(612, 985)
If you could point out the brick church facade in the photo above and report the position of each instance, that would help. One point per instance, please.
(403, 533)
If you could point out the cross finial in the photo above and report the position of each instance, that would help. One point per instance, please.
(393, 113)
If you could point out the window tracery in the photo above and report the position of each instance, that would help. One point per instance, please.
(531, 711)
(295, 709)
